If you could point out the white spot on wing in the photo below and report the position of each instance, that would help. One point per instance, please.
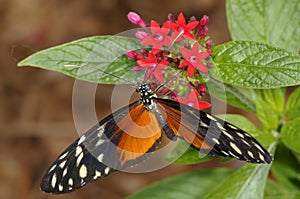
(53, 180)
(250, 154)
(246, 142)
(79, 158)
(70, 181)
(63, 155)
(231, 126)
(82, 182)
(257, 146)
(52, 168)
(227, 134)
(101, 129)
(100, 157)
(100, 141)
(60, 187)
(233, 155)
(97, 174)
(78, 151)
(261, 157)
(202, 124)
(62, 164)
(210, 117)
(83, 171)
(224, 152)
(216, 140)
(239, 134)
(65, 172)
(220, 126)
(81, 140)
(106, 171)
(234, 147)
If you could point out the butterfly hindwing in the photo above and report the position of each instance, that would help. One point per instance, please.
(212, 135)
(102, 150)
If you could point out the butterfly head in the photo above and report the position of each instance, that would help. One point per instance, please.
(146, 95)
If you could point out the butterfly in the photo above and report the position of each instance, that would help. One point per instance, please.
(127, 136)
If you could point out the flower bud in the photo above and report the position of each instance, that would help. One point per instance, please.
(131, 54)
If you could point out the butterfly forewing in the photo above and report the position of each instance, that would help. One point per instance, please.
(102, 150)
(212, 135)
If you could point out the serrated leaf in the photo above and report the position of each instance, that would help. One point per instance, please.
(246, 183)
(275, 98)
(185, 186)
(290, 134)
(266, 115)
(275, 22)
(250, 64)
(184, 154)
(293, 105)
(235, 96)
(99, 59)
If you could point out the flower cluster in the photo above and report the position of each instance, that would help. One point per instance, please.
(177, 45)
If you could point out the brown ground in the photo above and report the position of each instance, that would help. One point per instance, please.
(36, 105)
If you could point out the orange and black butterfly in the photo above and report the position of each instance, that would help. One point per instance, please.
(125, 137)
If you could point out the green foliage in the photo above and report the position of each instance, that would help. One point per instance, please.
(266, 115)
(250, 64)
(96, 59)
(275, 98)
(239, 97)
(274, 22)
(185, 186)
(250, 73)
(293, 105)
(290, 134)
(248, 182)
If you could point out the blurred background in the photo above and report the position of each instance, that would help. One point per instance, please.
(36, 105)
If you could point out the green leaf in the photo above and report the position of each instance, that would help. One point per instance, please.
(293, 105)
(246, 183)
(275, 22)
(290, 134)
(185, 186)
(285, 168)
(266, 115)
(275, 98)
(184, 154)
(98, 59)
(235, 96)
(275, 190)
(250, 64)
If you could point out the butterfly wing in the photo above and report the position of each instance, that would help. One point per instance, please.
(210, 134)
(120, 140)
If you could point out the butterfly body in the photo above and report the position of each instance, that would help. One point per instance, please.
(127, 136)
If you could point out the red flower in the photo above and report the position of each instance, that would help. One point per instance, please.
(193, 101)
(159, 36)
(183, 29)
(193, 60)
(153, 66)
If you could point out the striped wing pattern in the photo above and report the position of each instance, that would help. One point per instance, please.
(127, 136)
(218, 137)
(93, 155)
